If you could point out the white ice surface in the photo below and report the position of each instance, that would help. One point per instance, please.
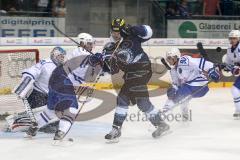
(211, 135)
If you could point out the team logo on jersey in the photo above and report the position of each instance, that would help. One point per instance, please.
(183, 61)
(126, 44)
(125, 55)
(42, 62)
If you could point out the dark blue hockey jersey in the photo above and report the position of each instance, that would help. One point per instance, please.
(130, 55)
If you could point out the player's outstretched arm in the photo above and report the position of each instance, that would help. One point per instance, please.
(144, 32)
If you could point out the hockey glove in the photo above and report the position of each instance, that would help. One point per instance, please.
(214, 74)
(96, 59)
(110, 65)
(235, 70)
(109, 48)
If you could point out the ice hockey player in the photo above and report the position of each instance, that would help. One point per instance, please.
(134, 62)
(233, 65)
(34, 87)
(86, 43)
(190, 77)
(62, 96)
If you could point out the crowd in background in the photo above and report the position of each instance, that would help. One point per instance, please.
(34, 7)
(183, 8)
(187, 8)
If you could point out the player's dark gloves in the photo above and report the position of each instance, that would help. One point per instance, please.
(109, 48)
(110, 65)
(96, 59)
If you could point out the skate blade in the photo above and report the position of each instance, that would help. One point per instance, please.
(112, 141)
(163, 134)
(62, 143)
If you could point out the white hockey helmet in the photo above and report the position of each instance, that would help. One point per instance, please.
(234, 34)
(173, 52)
(57, 55)
(85, 38)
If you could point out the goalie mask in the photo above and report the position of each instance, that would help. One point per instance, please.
(57, 55)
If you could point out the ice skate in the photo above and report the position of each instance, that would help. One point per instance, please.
(236, 115)
(162, 129)
(113, 135)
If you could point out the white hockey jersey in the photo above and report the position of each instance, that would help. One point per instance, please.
(40, 73)
(77, 66)
(190, 71)
(79, 51)
(233, 57)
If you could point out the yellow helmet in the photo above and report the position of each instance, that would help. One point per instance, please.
(118, 24)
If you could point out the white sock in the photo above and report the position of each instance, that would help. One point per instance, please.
(236, 96)
(64, 125)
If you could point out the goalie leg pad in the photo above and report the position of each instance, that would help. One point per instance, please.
(21, 121)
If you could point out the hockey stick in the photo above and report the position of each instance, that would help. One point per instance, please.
(165, 64)
(64, 34)
(202, 51)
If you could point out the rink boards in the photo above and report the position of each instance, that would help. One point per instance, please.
(155, 48)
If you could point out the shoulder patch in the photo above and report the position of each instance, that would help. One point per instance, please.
(183, 61)
(42, 62)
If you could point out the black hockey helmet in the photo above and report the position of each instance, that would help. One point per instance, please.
(118, 24)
